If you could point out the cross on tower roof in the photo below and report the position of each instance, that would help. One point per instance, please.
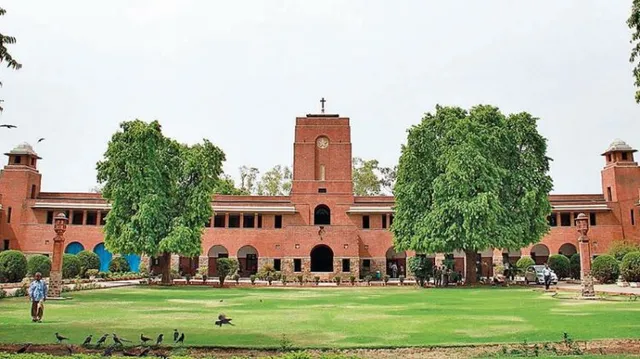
(322, 101)
(322, 112)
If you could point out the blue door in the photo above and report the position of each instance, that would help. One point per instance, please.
(134, 262)
(105, 257)
(74, 248)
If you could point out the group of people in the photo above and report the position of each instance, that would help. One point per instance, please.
(443, 275)
(395, 270)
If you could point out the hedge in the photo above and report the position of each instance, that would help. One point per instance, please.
(523, 263)
(39, 263)
(88, 260)
(574, 265)
(70, 266)
(605, 268)
(560, 265)
(618, 249)
(118, 265)
(13, 266)
(630, 267)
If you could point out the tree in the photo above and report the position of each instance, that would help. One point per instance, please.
(4, 52)
(421, 267)
(227, 186)
(96, 189)
(275, 182)
(225, 266)
(248, 178)
(471, 180)
(365, 178)
(388, 178)
(634, 24)
(160, 192)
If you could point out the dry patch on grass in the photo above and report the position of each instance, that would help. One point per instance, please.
(488, 331)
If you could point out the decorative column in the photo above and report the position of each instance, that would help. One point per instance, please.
(582, 223)
(55, 277)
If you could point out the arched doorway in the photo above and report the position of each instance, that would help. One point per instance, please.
(104, 255)
(397, 259)
(74, 248)
(322, 215)
(214, 253)
(321, 259)
(247, 261)
(134, 262)
(568, 249)
(540, 253)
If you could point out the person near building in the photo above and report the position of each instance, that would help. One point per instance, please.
(546, 273)
(437, 273)
(38, 294)
(394, 271)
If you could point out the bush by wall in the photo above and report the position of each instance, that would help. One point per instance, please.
(70, 266)
(605, 268)
(560, 265)
(118, 265)
(39, 263)
(574, 265)
(630, 267)
(523, 263)
(88, 260)
(13, 266)
(618, 249)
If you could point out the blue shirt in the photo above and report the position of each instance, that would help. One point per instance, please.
(38, 290)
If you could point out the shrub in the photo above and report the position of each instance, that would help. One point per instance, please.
(88, 260)
(225, 267)
(560, 265)
(3, 293)
(421, 267)
(385, 279)
(352, 279)
(236, 277)
(574, 266)
(300, 279)
(119, 265)
(630, 267)
(267, 270)
(143, 269)
(13, 266)
(316, 279)
(523, 263)
(269, 279)
(103, 275)
(92, 273)
(283, 279)
(70, 266)
(22, 291)
(39, 263)
(252, 278)
(368, 278)
(338, 280)
(605, 268)
(618, 249)
(203, 271)
(401, 279)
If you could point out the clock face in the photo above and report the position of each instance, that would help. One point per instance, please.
(322, 142)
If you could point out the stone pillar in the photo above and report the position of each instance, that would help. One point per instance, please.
(55, 276)
(241, 220)
(585, 268)
(175, 262)
(497, 257)
(145, 262)
(255, 220)
(203, 261)
(439, 259)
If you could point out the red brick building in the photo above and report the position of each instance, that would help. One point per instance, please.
(321, 227)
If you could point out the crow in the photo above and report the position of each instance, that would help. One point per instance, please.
(8, 126)
(101, 340)
(87, 341)
(175, 335)
(23, 349)
(181, 339)
(119, 340)
(60, 338)
(144, 339)
(222, 319)
(159, 340)
(40, 139)
(144, 352)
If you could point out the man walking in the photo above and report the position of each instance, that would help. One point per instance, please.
(38, 294)
(546, 273)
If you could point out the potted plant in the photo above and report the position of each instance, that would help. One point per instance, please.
(252, 278)
(269, 279)
(316, 279)
(401, 279)
(188, 278)
(283, 279)
(385, 279)
(236, 277)
(300, 279)
(337, 279)
(204, 272)
(368, 278)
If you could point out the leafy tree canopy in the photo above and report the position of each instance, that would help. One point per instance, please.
(369, 179)
(275, 182)
(472, 180)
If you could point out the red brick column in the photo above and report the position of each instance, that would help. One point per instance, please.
(585, 267)
(55, 278)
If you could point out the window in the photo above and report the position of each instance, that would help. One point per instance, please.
(609, 197)
(592, 218)
(297, 265)
(92, 218)
(9, 215)
(18, 160)
(633, 217)
(365, 222)
(33, 161)
(322, 190)
(390, 220)
(259, 221)
(276, 264)
(278, 221)
(5, 244)
(234, 221)
(565, 219)
(49, 217)
(322, 215)
(218, 221)
(553, 219)
(624, 156)
(103, 218)
(366, 264)
(384, 221)
(78, 217)
(346, 265)
(248, 220)
(33, 191)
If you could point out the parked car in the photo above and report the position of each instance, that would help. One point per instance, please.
(533, 274)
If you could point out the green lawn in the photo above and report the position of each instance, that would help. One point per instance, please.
(323, 317)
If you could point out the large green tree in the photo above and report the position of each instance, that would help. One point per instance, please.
(5, 56)
(634, 24)
(366, 181)
(160, 192)
(249, 179)
(472, 180)
(275, 182)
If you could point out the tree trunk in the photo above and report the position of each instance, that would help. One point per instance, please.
(470, 270)
(166, 268)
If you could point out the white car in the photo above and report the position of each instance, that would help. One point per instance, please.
(533, 274)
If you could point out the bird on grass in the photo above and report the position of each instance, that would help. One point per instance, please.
(181, 339)
(119, 340)
(102, 340)
(144, 339)
(221, 300)
(87, 341)
(175, 334)
(9, 126)
(159, 340)
(222, 319)
(23, 349)
(144, 352)
(60, 338)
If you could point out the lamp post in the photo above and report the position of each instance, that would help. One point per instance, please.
(586, 280)
(55, 281)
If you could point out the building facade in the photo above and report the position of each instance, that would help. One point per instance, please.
(321, 228)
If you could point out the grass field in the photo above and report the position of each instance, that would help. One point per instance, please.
(340, 317)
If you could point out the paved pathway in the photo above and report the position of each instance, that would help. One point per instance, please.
(602, 288)
(110, 284)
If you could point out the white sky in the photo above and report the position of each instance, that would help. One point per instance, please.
(238, 73)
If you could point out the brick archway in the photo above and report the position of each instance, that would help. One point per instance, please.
(397, 258)
(215, 252)
(74, 248)
(247, 261)
(322, 215)
(540, 253)
(321, 258)
(568, 249)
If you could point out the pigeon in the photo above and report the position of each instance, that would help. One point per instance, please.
(144, 352)
(144, 339)
(175, 335)
(8, 126)
(60, 338)
(222, 319)
(159, 340)
(40, 139)
(101, 340)
(181, 339)
(87, 341)
(23, 349)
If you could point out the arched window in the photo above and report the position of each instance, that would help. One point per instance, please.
(322, 215)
